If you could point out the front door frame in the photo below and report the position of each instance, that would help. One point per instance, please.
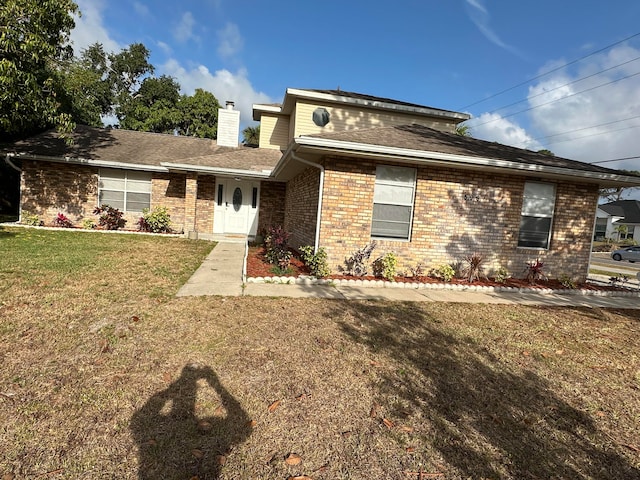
(223, 206)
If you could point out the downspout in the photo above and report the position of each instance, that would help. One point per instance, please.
(321, 189)
(7, 159)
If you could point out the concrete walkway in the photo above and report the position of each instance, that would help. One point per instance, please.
(221, 274)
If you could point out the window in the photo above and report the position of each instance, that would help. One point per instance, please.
(127, 190)
(393, 202)
(600, 231)
(537, 215)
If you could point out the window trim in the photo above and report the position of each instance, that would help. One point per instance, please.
(391, 183)
(538, 215)
(110, 173)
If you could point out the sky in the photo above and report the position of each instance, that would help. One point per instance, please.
(557, 75)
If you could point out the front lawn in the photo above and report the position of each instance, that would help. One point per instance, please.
(105, 374)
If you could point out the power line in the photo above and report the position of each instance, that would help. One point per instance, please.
(616, 160)
(550, 71)
(587, 128)
(564, 85)
(593, 134)
(557, 99)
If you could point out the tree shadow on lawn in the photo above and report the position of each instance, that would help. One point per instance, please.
(485, 419)
(174, 441)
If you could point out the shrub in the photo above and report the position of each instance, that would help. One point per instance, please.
(417, 272)
(30, 219)
(276, 244)
(567, 281)
(445, 272)
(473, 267)
(110, 218)
(156, 221)
(62, 221)
(316, 262)
(501, 275)
(88, 224)
(355, 264)
(534, 271)
(385, 266)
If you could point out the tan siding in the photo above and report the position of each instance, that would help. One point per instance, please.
(274, 132)
(353, 118)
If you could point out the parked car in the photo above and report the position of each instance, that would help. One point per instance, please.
(630, 253)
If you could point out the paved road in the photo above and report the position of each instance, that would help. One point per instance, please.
(602, 261)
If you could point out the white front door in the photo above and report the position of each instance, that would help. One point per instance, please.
(236, 206)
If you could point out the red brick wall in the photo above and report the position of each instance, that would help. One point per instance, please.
(272, 204)
(49, 188)
(301, 207)
(168, 190)
(205, 203)
(455, 213)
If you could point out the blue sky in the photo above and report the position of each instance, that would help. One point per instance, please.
(447, 54)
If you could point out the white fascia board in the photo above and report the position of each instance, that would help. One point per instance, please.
(91, 163)
(448, 159)
(376, 104)
(216, 170)
(259, 108)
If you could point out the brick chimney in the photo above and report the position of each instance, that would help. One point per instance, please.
(228, 126)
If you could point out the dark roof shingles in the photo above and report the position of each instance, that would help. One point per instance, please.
(132, 147)
(420, 137)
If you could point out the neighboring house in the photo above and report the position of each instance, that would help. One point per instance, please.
(606, 223)
(339, 170)
(622, 213)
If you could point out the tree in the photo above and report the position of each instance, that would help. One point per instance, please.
(88, 92)
(34, 39)
(126, 70)
(544, 151)
(251, 136)
(463, 130)
(199, 114)
(153, 108)
(613, 194)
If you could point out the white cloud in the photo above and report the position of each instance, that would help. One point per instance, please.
(480, 16)
(224, 84)
(230, 40)
(165, 47)
(183, 31)
(492, 127)
(89, 28)
(141, 9)
(587, 107)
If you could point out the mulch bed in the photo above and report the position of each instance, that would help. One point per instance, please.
(257, 266)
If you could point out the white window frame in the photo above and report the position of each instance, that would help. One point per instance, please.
(380, 197)
(130, 185)
(534, 206)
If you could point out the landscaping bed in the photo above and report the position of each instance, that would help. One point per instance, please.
(260, 270)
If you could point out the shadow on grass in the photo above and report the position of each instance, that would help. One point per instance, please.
(484, 417)
(4, 233)
(175, 442)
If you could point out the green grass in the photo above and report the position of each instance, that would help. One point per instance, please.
(106, 374)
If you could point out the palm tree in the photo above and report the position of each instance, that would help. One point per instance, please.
(251, 136)
(463, 130)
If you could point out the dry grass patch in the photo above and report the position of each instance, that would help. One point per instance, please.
(135, 383)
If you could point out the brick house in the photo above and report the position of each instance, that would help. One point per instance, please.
(338, 170)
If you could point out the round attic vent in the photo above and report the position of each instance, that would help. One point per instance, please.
(320, 116)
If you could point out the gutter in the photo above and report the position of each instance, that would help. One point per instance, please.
(92, 163)
(215, 170)
(320, 191)
(447, 159)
